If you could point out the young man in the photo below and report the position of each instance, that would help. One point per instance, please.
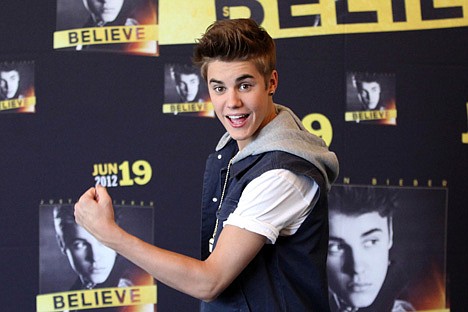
(107, 13)
(10, 83)
(361, 235)
(368, 91)
(187, 83)
(92, 261)
(264, 207)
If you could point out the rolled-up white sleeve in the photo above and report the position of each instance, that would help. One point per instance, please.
(275, 203)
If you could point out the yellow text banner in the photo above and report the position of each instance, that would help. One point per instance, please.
(17, 103)
(290, 18)
(96, 298)
(105, 35)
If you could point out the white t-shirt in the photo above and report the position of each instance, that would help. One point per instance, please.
(275, 203)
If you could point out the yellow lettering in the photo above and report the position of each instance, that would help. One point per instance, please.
(319, 125)
(371, 115)
(113, 168)
(291, 19)
(175, 108)
(96, 298)
(100, 35)
(226, 11)
(105, 169)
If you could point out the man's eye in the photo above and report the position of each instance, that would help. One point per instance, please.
(371, 242)
(244, 86)
(218, 89)
(335, 248)
(79, 245)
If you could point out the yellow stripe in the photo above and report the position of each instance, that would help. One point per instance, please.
(371, 115)
(17, 103)
(105, 35)
(175, 108)
(199, 14)
(96, 298)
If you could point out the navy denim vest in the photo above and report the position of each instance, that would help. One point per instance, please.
(287, 276)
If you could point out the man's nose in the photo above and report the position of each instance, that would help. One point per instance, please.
(234, 100)
(354, 262)
(357, 262)
(96, 253)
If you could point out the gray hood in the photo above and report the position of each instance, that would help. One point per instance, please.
(286, 133)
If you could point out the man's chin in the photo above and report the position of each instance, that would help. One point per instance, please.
(361, 302)
(99, 279)
(108, 19)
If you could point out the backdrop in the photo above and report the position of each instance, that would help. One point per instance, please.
(106, 115)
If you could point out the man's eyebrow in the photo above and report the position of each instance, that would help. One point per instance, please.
(339, 239)
(216, 81)
(367, 233)
(238, 79)
(243, 77)
(371, 231)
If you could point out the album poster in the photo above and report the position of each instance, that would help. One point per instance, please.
(125, 26)
(387, 248)
(17, 93)
(77, 272)
(185, 91)
(370, 98)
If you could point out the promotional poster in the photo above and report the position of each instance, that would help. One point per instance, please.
(17, 93)
(79, 273)
(185, 91)
(125, 26)
(370, 98)
(387, 248)
(307, 18)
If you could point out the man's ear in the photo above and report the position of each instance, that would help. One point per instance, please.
(60, 243)
(273, 82)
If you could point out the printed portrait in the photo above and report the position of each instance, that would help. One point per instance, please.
(386, 248)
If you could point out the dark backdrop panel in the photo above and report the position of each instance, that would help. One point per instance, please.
(99, 108)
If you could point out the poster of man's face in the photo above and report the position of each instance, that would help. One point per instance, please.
(358, 256)
(72, 259)
(17, 91)
(105, 17)
(103, 12)
(91, 260)
(370, 97)
(9, 83)
(89, 13)
(380, 254)
(183, 84)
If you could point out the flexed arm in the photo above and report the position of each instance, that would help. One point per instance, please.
(204, 280)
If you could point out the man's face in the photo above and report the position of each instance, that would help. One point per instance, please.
(104, 10)
(369, 94)
(358, 253)
(240, 98)
(10, 83)
(91, 260)
(187, 86)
